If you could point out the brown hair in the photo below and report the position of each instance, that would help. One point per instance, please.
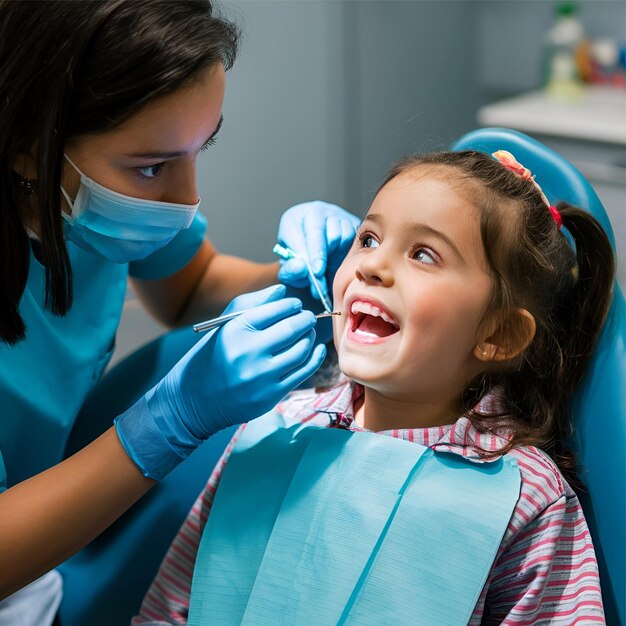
(535, 267)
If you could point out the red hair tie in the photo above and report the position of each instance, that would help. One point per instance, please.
(510, 162)
(556, 215)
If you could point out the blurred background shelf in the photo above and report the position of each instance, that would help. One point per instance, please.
(599, 115)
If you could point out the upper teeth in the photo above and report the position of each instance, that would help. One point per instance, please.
(368, 308)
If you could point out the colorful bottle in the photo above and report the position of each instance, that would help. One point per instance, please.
(562, 41)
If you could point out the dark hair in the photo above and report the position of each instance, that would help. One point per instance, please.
(534, 267)
(76, 67)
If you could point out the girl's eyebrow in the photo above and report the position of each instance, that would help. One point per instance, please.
(420, 229)
(177, 153)
(433, 232)
(377, 218)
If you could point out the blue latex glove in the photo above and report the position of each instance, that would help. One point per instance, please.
(234, 374)
(320, 232)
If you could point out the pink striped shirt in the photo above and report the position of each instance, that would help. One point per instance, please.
(545, 571)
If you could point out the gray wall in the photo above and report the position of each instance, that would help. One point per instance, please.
(413, 87)
(283, 114)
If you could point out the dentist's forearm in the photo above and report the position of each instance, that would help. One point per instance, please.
(226, 277)
(204, 287)
(47, 518)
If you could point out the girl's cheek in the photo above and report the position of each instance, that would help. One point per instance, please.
(340, 284)
(337, 329)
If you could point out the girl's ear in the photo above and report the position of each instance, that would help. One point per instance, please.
(511, 337)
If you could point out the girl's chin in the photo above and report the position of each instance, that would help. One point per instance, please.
(367, 363)
(367, 372)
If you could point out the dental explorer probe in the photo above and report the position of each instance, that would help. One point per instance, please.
(220, 321)
(288, 253)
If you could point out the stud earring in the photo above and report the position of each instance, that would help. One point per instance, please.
(27, 186)
(483, 352)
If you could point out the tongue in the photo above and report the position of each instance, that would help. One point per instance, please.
(374, 325)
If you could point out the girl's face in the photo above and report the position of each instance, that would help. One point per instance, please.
(413, 291)
(153, 154)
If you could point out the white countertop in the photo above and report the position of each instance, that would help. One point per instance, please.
(599, 115)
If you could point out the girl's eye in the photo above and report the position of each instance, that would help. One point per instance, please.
(424, 255)
(150, 171)
(370, 242)
(367, 241)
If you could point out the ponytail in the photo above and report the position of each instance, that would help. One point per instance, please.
(584, 309)
(556, 363)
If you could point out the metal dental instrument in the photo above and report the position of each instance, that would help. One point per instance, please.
(285, 253)
(220, 321)
(288, 253)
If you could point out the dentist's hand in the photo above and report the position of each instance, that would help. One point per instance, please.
(321, 233)
(232, 375)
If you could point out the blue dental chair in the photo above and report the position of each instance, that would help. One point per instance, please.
(105, 582)
(599, 406)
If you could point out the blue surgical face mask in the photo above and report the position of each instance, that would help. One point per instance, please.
(118, 227)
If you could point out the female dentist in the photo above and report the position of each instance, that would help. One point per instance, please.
(105, 106)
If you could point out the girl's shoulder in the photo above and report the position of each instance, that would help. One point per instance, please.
(547, 512)
(542, 481)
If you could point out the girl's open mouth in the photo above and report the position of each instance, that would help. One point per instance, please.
(369, 323)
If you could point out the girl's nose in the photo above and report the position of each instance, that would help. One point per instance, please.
(375, 269)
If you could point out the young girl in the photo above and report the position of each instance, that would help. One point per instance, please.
(467, 321)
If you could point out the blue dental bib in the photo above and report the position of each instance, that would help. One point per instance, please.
(324, 526)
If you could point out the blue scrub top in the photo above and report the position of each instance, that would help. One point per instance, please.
(45, 378)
